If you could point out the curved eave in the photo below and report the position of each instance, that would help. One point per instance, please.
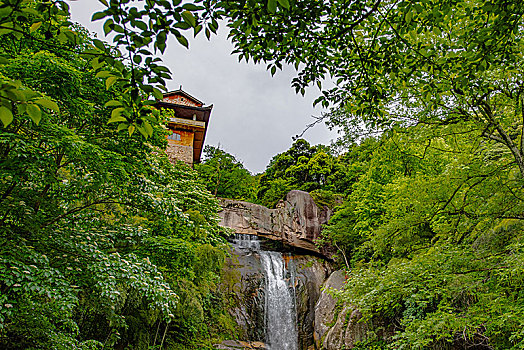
(187, 112)
(185, 94)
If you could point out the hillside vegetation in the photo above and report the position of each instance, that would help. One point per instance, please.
(105, 244)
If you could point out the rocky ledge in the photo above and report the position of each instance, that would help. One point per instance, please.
(296, 221)
(240, 345)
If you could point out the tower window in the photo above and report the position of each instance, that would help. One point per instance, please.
(174, 136)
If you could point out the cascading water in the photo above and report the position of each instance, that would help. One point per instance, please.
(246, 242)
(281, 331)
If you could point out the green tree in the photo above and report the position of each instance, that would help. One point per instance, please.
(89, 217)
(138, 34)
(397, 63)
(431, 234)
(301, 167)
(225, 176)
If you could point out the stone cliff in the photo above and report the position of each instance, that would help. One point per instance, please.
(322, 322)
(296, 221)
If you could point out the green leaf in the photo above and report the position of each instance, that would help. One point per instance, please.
(122, 126)
(110, 81)
(34, 112)
(35, 26)
(70, 35)
(107, 26)
(409, 16)
(131, 129)
(99, 44)
(113, 103)
(189, 18)
(197, 30)
(272, 6)
(284, 3)
(181, 39)
(158, 94)
(141, 25)
(118, 28)
(143, 131)
(192, 7)
(116, 119)
(148, 128)
(48, 104)
(97, 16)
(116, 113)
(96, 63)
(103, 74)
(6, 115)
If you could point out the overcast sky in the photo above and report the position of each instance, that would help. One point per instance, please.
(254, 115)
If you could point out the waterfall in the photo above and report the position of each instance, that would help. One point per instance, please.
(281, 331)
(279, 303)
(250, 242)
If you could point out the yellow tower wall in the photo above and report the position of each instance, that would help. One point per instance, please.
(181, 149)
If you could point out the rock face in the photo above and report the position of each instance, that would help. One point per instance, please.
(337, 325)
(322, 322)
(296, 222)
(325, 307)
(243, 283)
(311, 272)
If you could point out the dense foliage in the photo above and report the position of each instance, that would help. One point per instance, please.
(224, 176)
(102, 240)
(104, 243)
(398, 63)
(432, 237)
(431, 231)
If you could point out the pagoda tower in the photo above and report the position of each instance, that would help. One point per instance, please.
(187, 128)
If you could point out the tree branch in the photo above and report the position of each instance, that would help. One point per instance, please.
(76, 210)
(351, 26)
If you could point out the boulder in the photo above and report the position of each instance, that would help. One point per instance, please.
(296, 221)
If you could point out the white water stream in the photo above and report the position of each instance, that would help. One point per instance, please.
(281, 331)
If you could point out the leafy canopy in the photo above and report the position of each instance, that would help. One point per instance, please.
(398, 63)
(224, 176)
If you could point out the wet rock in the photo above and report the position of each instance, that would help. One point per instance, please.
(243, 282)
(311, 272)
(325, 309)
